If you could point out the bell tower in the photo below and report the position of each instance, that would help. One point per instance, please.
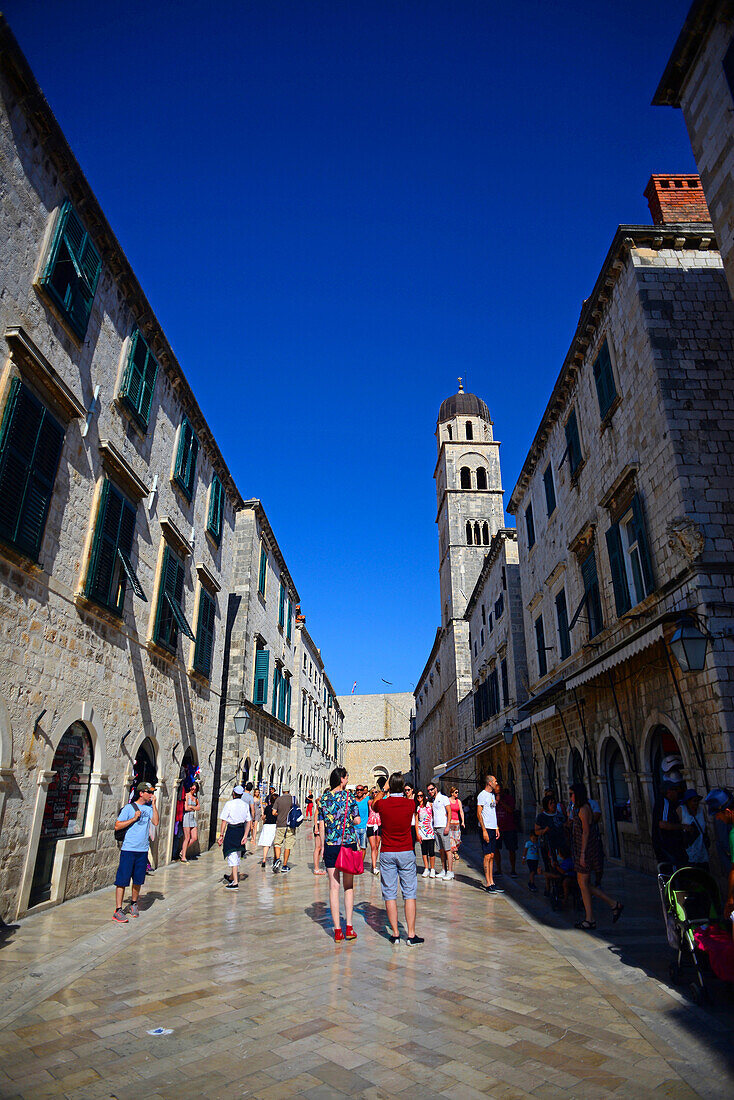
(469, 498)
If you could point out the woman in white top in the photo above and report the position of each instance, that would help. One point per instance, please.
(691, 815)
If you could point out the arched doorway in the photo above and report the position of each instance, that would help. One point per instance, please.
(65, 810)
(260, 773)
(511, 785)
(271, 777)
(144, 769)
(246, 771)
(665, 759)
(280, 781)
(551, 776)
(380, 775)
(185, 782)
(576, 767)
(617, 795)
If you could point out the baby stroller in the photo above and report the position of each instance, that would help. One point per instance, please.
(691, 902)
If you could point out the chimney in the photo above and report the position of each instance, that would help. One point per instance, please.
(674, 199)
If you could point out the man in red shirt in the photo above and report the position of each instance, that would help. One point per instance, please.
(397, 858)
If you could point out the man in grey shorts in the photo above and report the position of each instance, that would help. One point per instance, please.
(397, 858)
(441, 805)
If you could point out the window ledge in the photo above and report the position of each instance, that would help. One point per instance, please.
(206, 577)
(49, 301)
(173, 535)
(84, 603)
(199, 677)
(21, 560)
(31, 361)
(577, 473)
(180, 488)
(130, 416)
(157, 650)
(116, 464)
(216, 542)
(609, 414)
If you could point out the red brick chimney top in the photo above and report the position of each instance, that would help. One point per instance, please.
(674, 199)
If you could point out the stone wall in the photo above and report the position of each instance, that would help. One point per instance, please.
(376, 734)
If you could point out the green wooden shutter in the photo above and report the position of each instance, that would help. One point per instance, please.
(104, 550)
(593, 599)
(573, 442)
(550, 492)
(276, 685)
(540, 646)
(262, 661)
(643, 546)
(188, 449)
(73, 269)
(263, 570)
(204, 649)
(216, 509)
(140, 378)
(622, 599)
(289, 628)
(169, 622)
(288, 696)
(281, 607)
(30, 450)
(562, 620)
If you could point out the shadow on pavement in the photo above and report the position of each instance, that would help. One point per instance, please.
(375, 918)
(7, 931)
(148, 900)
(320, 914)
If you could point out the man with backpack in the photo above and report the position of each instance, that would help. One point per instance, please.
(134, 825)
(288, 817)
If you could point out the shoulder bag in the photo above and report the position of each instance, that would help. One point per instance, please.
(349, 860)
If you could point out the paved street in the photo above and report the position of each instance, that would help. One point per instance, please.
(499, 1001)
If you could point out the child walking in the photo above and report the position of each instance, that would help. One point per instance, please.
(531, 857)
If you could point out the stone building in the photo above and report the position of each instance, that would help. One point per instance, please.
(376, 735)
(699, 79)
(319, 745)
(624, 510)
(470, 512)
(117, 515)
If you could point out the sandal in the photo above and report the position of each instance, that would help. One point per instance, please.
(586, 925)
(617, 912)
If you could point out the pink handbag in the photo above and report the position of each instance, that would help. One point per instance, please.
(349, 860)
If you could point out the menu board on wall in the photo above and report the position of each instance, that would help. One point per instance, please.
(68, 791)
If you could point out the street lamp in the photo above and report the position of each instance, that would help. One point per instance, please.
(308, 749)
(689, 645)
(508, 731)
(241, 720)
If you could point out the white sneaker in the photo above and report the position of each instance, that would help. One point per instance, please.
(426, 873)
(433, 873)
(376, 871)
(448, 875)
(441, 874)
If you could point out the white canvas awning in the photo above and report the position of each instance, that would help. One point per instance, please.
(617, 656)
(534, 719)
(451, 765)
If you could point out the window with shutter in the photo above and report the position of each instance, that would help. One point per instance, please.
(188, 449)
(110, 568)
(564, 634)
(505, 683)
(283, 698)
(139, 381)
(260, 689)
(276, 690)
(550, 491)
(204, 648)
(530, 526)
(170, 618)
(573, 443)
(622, 600)
(289, 623)
(281, 607)
(72, 271)
(216, 510)
(606, 389)
(30, 449)
(540, 646)
(592, 597)
(287, 718)
(263, 571)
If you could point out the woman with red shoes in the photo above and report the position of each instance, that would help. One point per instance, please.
(338, 815)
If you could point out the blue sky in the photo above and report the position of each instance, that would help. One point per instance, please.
(336, 209)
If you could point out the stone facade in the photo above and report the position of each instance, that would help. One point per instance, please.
(638, 436)
(89, 695)
(320, 720)
(699, 78)
(376, 735)
(470, 512)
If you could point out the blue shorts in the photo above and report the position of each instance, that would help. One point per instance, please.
(394, 866)
(361, 837)
(133, 865)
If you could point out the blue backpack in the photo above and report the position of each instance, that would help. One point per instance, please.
(295, 817)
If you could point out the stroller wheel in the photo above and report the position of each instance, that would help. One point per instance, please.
(698, 995)
(674, 973)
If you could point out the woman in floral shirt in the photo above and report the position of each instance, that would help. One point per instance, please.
(424, 829)
(336, 805)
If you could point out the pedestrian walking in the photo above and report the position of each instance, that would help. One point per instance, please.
(440, 805)
(338, 817)
(532, 858)
(720, 805)
(134, 824)
(487, 818)
(249, 798)
(507, 825)
(456, 822)
(190, 831)
(257, 813)
(587, 858)
(363, 805)
(235, 815)
(397, 857)
(373, 833)
(285, 835)
(318, 843)
(691, 816)
(424, 829)
(267, 832)
(668, 836)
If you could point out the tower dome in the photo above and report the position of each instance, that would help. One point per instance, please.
(463, 404)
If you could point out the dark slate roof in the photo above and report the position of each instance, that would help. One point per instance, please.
(463, 404)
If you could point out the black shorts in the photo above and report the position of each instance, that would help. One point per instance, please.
(532, 865)
(428, 847)
(489, 847)
(331, 853)
(508, 841)
(373, 830)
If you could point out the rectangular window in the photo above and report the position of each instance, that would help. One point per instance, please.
(606, 390)
(530, 526)
(564, 634)
(287, 685)
(494, 693)
(260, 687)
(263, 569)
(170, 617)
(204, 648)
(188, 449)
(216, 510)
(276, 690)
(505, 683)
(550, 491)
(281, 607)
(303, 712)
(283, 698)
(540, 646)
(110, 565)
(573, 443)
(138, 383)
(72, 270)
(592, 595)
(289, 621)
(629, 558)
(490, 623)
(30, 449)
(499, 606)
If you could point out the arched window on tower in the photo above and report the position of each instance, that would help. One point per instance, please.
(465, 477)
(485, 533)
(481, 478)
(469, 430)
(468, 534)
(477, 535)
(450, 433)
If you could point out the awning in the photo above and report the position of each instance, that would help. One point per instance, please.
(452, 765)
(534, 719)
(545, 695)
(623, 652)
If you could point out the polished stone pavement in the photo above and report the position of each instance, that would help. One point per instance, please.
(502, 1000)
